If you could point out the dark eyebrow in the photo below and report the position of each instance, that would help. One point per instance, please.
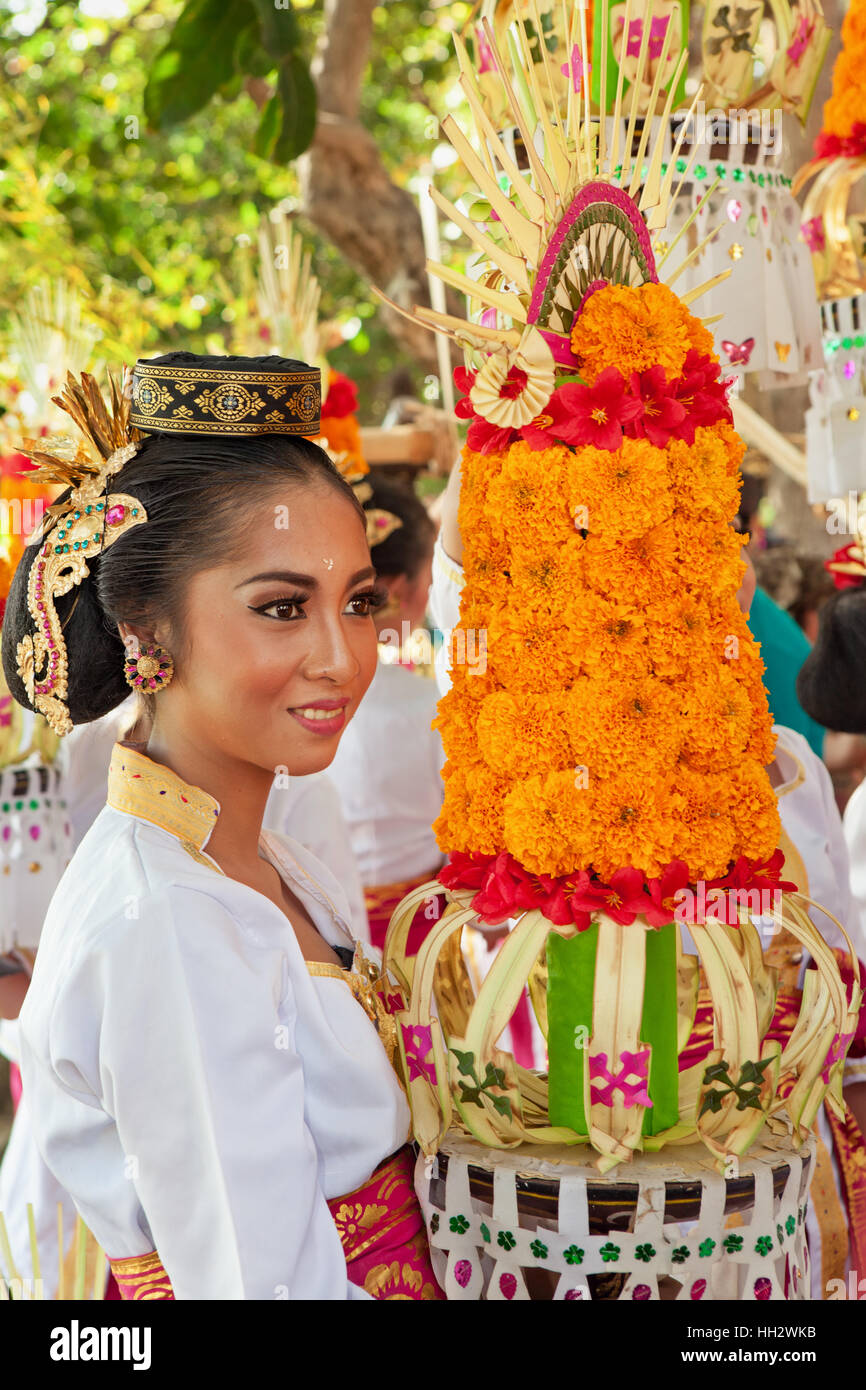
(280, 577)
(302, 580)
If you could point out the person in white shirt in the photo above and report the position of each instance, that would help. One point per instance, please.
(207, 1070)
(387, 768)
(78, 773)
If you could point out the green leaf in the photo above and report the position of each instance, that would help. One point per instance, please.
(502, 1105)
(465, 1062)
(751, 1101)
(298, 96)
(269, 128)
(250, 57)
(197, 60)
(717, 1072)
(279, 27)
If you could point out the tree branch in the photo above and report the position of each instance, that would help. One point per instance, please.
(348, 193)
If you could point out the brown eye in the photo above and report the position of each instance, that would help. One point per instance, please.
(364, 605)
(282, 610)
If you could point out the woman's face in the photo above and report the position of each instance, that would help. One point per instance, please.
(279, 642)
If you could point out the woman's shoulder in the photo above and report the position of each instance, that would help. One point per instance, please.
(130, 876)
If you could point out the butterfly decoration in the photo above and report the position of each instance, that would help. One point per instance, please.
(736, 31)
(738, 352)
(782, 351)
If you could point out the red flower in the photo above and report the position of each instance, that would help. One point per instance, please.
(464, 870)
(702, 394)
(592, 414)
(756, 873)
(625, 898)
(485, 438)
(851, 145)
(342, 398)
(464, 380)
(662, 891)
(660, 415)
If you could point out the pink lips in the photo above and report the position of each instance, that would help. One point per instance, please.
(315, 716)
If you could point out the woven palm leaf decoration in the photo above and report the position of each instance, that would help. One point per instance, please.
(81, 1271)
(607, 761)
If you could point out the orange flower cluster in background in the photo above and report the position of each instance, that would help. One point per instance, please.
(621, 720)
(340, 428)
(844, 127)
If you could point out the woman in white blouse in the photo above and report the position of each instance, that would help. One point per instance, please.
(387, 769)
(206, 1076)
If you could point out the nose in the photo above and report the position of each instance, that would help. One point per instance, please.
(330, 654)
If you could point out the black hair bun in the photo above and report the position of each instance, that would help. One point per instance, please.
(96, 683)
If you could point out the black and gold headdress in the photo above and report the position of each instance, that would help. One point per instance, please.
(186, 394)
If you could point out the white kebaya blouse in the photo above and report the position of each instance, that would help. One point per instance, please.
(387, 772)
(195, 1086)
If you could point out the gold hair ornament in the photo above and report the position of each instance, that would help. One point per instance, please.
(380, 525)
(74, 531)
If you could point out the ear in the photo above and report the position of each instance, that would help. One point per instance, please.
(133, 637)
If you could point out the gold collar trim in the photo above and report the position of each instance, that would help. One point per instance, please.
(154, 793)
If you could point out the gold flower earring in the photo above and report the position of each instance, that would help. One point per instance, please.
(147, 667)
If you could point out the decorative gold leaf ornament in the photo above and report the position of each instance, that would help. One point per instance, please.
(74, 531)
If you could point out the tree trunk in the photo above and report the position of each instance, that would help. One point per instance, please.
(348, 193)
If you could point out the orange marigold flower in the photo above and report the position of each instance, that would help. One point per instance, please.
(679, 638)
(734, 446)
(518, 734)
(533, 649)
(761, 746)
(634, 723)
(548, 823)
(640, 567)
(633, 823)
(635, 328)
(486, 560)
(612, 634)
(472, 810)
(618, 496)
(701, 479)
(705, 836)
(719, 720)
(457, 722)
(547, 574)
(708, 555)
(524, 500)
(754, 811)
(732, 642)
